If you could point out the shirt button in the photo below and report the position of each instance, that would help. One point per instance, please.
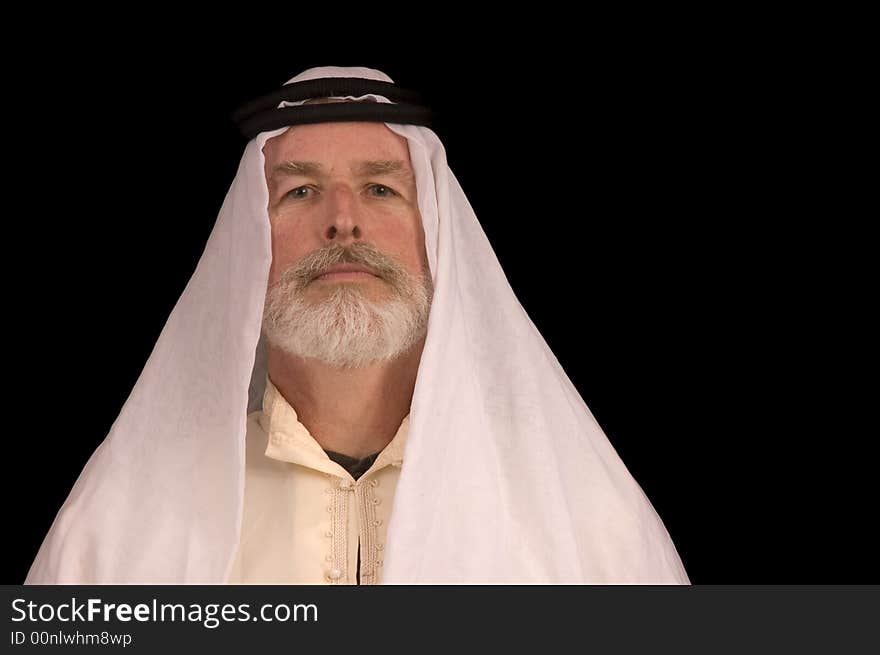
(380, 546)
(376, 501)
(334, 574)
(328, 534)
(374, 482)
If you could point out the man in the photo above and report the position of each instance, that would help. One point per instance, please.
(346, 325)
(298, 422)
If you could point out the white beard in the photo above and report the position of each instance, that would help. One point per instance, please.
(347, 329)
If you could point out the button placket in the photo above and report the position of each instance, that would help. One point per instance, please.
(338, 533)
(368, 534)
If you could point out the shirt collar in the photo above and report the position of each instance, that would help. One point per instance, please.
(290, 441)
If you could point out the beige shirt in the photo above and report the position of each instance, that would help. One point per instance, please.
(304, 514)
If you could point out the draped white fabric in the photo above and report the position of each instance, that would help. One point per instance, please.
(508, 478)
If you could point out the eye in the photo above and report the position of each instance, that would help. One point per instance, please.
(386, 190)
(294, 193)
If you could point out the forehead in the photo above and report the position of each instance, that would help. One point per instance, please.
(336, 142)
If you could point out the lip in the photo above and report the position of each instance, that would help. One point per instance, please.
(346, 271)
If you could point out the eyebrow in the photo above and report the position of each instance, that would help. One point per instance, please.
(393, 167)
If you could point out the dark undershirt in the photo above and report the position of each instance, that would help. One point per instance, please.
(356, 467)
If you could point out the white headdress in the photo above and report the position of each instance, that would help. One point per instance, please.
(507, 478)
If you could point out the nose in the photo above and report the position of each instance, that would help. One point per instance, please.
(343, 226)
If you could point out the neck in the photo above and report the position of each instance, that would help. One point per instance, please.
(355, 412)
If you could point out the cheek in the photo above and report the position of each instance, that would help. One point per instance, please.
(285, 251)
(408, 242)
(416, 238)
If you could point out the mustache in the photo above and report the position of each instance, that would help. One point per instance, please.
(317, 262)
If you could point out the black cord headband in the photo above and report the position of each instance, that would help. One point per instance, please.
(263, 114)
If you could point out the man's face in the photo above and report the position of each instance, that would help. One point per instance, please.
(344, 193)
(343, 202)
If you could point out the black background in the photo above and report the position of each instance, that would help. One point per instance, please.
(650, 199)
